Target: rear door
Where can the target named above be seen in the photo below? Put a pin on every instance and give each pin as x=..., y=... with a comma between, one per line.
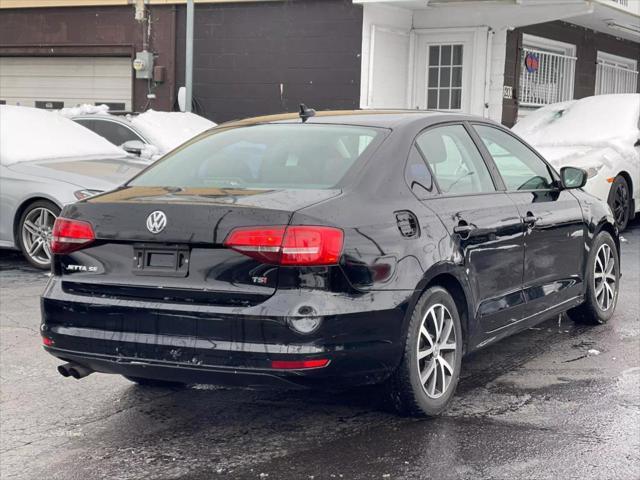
x=484, y=223
x=554, y=238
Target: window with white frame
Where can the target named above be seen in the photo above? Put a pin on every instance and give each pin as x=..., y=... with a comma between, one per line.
x=444, y=77
x=547, y=71
x=615, y=74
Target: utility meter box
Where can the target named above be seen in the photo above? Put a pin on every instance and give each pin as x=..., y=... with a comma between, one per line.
x=143, y=65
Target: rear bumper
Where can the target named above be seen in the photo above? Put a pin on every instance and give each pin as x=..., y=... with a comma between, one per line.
x=328, y=377
x=223, y=345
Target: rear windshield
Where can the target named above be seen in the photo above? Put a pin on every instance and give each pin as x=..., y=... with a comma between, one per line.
x=263, y=156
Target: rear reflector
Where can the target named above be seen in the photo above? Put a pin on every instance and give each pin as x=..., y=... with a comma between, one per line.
x=47, y=341
x=298, y=364
x=70, y=235
x=297, y=245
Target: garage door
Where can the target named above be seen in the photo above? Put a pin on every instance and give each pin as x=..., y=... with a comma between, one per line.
x=56, y=82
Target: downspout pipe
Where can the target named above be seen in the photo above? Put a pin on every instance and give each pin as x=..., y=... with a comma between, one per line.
x=188, y=70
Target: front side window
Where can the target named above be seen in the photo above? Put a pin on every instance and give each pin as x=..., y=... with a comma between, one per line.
x=520, y=168
x=263, y=156
x=114, y=132
x=455, y=161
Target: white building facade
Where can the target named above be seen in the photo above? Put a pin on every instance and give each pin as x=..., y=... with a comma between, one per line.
x=477, y=56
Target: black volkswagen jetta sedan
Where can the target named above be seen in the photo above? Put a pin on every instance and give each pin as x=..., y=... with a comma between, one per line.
x=340, y=249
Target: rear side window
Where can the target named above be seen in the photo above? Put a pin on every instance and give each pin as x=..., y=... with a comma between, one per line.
x=455, y=160
x=263, y=156
x=418, y=176
x=520, y=168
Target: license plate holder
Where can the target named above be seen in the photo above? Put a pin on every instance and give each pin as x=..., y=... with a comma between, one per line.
x=161, y=261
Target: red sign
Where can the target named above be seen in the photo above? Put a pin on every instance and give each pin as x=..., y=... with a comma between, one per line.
x=531, y=62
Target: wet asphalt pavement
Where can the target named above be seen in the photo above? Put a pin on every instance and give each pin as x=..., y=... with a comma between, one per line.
x=535, y=406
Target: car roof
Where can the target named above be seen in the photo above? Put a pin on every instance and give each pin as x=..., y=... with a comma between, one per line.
x=371, y=118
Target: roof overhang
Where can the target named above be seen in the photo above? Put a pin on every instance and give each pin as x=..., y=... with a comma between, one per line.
x=494, y=13
x=611, y=19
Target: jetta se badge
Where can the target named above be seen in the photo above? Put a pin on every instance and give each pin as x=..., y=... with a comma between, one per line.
x=156, y=221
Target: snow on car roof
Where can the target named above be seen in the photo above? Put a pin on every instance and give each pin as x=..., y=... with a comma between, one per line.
x=167, y=130
x=598, y=121
x=28, y=134
x=85, y=109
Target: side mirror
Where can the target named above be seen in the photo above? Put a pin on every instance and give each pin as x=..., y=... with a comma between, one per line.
x=133, y=146
x=573, y=177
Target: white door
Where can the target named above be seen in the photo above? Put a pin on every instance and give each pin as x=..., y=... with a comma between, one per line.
x=388, y=68
x=444, y=70
x=56, y=82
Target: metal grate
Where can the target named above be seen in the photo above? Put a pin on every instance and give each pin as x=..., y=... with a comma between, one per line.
x=624, y=3
x=545, y=77
x=615, y=79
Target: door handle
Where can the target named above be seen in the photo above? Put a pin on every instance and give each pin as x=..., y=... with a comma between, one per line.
x=530, y=219
x=464, y=230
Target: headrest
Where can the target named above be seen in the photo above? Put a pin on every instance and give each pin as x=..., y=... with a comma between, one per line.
x=433, y=147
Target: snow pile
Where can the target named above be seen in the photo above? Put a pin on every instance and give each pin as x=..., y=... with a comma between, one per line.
x=32, y=134
x=167, y=130
x=85, y=109
x=602, y=121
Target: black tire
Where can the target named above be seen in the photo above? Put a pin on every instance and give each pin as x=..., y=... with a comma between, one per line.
x=620, y=202
x=406, y=389
x=21, y=241
x=150, y=382
x=591, y=312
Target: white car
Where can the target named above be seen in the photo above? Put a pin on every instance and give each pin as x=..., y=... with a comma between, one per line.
x=46, y=162
x=599, y=134
x=150, y=134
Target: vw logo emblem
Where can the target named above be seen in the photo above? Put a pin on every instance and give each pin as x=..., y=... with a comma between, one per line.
x=156, y=221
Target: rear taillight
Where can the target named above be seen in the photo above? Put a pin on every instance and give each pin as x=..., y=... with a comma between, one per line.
x=71, y=235
x=298, y=364
x=299, y=245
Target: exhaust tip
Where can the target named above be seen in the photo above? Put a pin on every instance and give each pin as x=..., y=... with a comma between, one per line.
x=74, y=370
x=79, y=371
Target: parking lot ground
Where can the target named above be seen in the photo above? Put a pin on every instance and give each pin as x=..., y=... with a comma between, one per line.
x=557, y=401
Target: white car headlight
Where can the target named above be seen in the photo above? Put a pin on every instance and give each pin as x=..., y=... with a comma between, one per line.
x=82, y=194
x=593, y=171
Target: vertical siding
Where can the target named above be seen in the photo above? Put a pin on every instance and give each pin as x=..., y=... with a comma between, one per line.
x=260, y=58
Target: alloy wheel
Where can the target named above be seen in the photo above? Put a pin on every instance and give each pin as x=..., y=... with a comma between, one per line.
x=37, y=230
x=604, y=278
x=436, y=351
x=621, y=203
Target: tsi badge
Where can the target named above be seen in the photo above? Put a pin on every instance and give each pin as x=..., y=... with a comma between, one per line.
x=156, y=221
